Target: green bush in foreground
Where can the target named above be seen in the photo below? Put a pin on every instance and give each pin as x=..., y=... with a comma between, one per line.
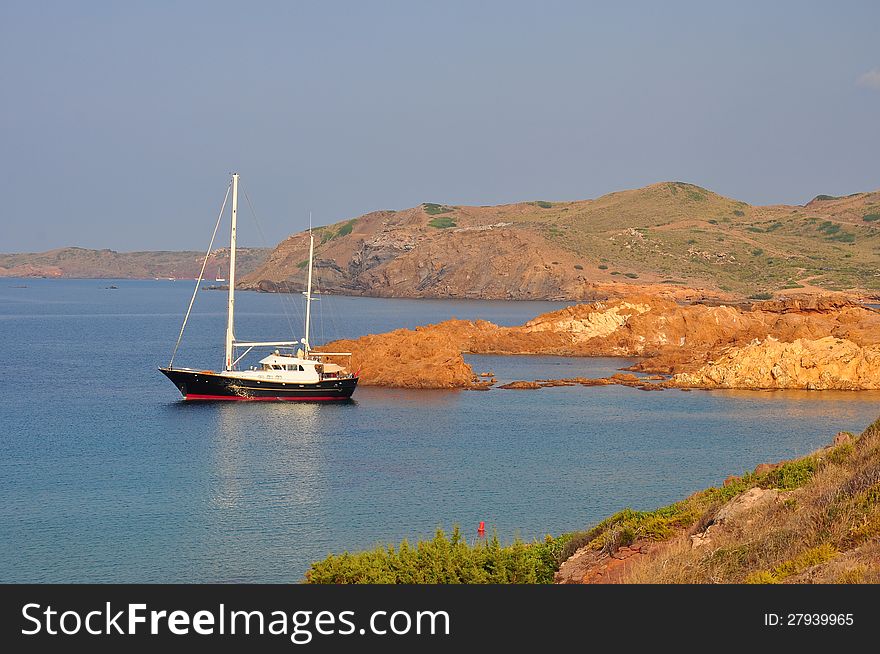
x=444, y=560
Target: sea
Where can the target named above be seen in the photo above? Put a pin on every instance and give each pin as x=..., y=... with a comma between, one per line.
x=106, y=475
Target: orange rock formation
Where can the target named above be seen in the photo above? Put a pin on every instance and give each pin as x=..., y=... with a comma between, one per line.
x=807, y=342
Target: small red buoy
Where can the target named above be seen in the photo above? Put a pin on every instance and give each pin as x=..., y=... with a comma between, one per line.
x=481, y=530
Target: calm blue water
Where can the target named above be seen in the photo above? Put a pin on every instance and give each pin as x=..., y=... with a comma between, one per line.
x=105, y=475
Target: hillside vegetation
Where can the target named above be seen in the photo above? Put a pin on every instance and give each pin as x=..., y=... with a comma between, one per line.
x=670, y=234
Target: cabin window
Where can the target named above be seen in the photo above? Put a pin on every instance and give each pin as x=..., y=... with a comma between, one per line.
x=276, y=368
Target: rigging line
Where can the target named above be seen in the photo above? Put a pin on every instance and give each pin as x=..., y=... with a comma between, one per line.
x=330, y=314
x=282, y=296
x=263, y=239
x=199, y=280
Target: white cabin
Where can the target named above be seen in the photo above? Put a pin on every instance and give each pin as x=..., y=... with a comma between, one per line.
x=292, y=368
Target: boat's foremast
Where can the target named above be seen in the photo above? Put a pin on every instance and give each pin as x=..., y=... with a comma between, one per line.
x=306, y=344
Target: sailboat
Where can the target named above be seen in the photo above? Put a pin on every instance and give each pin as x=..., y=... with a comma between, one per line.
x=293, y=371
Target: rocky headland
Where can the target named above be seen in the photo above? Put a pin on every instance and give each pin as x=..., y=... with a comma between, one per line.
x=809, y=342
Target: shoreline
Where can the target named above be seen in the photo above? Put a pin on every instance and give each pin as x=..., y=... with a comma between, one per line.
x=811, y=519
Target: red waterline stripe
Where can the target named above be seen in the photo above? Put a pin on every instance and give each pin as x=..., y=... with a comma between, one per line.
x=263, y=399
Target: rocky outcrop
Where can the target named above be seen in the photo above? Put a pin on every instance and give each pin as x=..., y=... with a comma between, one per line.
x=420, y=358
x=827, y=363
x=642, y=383
x=735, y=514
x=810, y=344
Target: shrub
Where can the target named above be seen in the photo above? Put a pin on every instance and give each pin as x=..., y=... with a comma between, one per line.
x=543, y=204
x=792, y=474
x=345, y=230
x=737, y=212
x=826, y=197
x=602, y=266
x=445, y=560
x=578, y=266
x=871, y=217
x=433, y=209
x=444, y=222
x=757, y=252
x=616, y=272
x=631, y=275
x=762, y=577
x=761, y=296
x=302, y=264
x=807, y=559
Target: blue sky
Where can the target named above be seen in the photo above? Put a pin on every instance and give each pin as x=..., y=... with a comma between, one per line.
x=120, y=121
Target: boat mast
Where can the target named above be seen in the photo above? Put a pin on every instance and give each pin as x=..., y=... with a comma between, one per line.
x=230, y=309
x=309, y=289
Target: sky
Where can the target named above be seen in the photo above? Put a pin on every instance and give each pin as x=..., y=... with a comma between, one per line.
x=121, y=121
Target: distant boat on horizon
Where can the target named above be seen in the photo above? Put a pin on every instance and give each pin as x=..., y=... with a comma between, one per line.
x=298, y=374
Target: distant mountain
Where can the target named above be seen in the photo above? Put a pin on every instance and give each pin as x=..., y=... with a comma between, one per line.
x=670, y=234
x=83, y=263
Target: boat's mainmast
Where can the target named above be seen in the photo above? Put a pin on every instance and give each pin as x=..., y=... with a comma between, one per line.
x=309, y=292
x=230, y=309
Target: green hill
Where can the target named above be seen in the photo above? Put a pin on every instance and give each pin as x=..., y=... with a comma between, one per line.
x=669, y=233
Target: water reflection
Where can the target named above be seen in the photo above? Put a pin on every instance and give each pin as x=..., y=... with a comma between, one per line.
x=273, y=450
